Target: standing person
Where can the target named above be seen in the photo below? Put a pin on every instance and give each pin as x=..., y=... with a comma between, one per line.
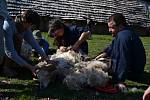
x=13, y=35
x=3, y=15
x=126, y=51
x=70, y=36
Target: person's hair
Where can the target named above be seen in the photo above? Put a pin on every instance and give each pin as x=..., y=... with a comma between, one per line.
x=56, y=24
x=118, y=19
x=31, y=16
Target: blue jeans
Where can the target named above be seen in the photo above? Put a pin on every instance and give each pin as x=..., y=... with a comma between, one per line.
x=1, y=39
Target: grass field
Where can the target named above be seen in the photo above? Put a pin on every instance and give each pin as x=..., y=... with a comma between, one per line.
x=24, y=88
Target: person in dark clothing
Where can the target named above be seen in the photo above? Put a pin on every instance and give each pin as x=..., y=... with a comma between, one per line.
x=73, y=36
x=126, y=51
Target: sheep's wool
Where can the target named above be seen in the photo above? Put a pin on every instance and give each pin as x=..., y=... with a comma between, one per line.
x=70, y=56
x=91, y=73
x=77, y=74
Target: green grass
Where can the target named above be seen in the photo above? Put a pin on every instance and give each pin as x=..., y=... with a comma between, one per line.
x=27, y=89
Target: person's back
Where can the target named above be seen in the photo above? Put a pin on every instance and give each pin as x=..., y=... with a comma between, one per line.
x=128, y=44
x=138, y=56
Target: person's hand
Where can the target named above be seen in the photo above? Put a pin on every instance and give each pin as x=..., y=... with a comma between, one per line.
x=102, y=55
x=62, y=49
x=146, y=95
x=31, y=68
x=43, y=58
x=122, y=87
x=53, y=62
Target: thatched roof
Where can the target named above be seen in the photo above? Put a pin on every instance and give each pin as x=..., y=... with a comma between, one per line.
x=98, y=10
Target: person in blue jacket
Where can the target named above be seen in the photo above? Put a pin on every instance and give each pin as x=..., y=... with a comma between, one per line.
x=73, y=36
x=126, y=51
x=13, y=35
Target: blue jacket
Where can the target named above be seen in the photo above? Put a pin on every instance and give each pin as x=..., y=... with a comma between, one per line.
x=3, y=13
x=127, y=54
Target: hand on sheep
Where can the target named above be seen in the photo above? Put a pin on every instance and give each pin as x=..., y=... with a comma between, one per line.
x=122, y=87
x=65, y=49
x=69, y=48
x=55, y=63
x=44, y=58
x=62, y=49
x=34, y=71
x=146, y=95
x=102, y=55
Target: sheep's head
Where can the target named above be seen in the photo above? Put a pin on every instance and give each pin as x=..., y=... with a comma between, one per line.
x=44, y=72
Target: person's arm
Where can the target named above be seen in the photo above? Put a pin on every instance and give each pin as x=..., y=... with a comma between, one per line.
x=106, y=52
x=84, y=36
x=28, y=36
x=146, y=95
x=45, y=45
x=9, y=45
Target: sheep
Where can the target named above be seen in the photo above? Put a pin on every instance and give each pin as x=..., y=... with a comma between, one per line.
x=45, y=71
x=70, y=56
x=63, y=62
x=75, y=81
x=75, y=73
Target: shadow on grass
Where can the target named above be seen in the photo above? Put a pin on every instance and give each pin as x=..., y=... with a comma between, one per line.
x=144, y=79
x=59, y=91
x=22, y=84
x=16, y=90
